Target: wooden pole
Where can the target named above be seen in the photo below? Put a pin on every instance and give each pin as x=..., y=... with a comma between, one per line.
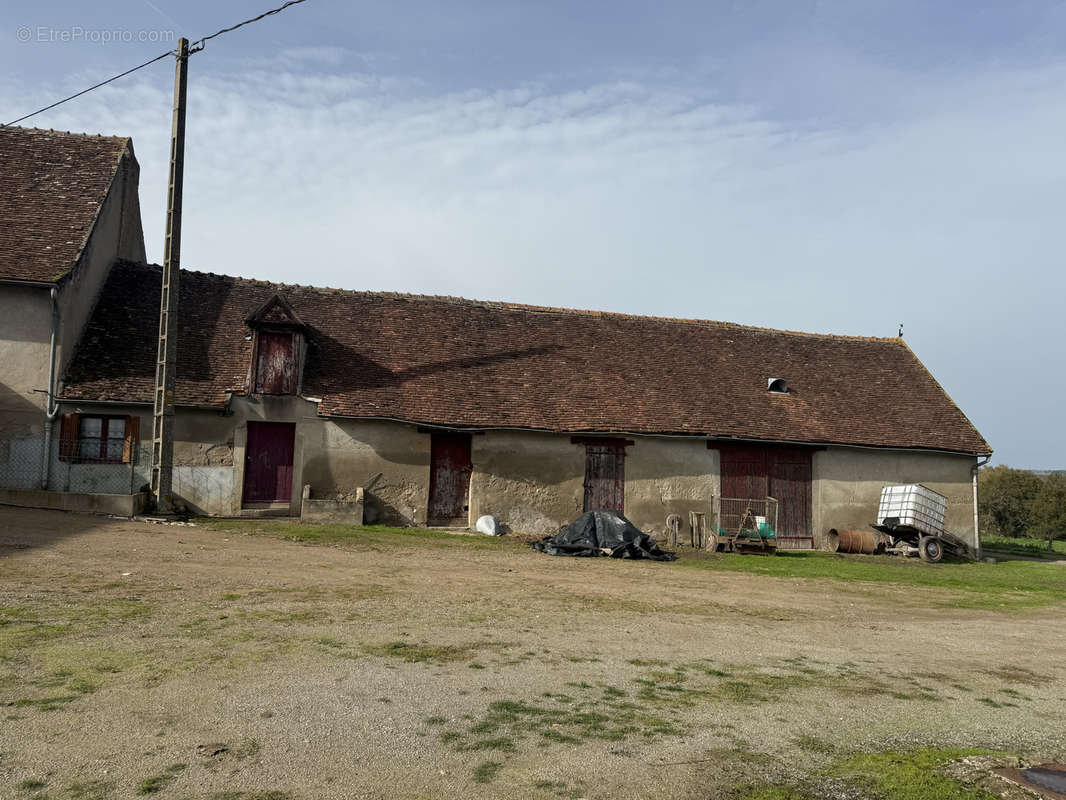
x=163, y=414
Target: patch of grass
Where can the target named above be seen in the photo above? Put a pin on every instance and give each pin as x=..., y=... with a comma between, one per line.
x=30, y=784
x=992, y=703
x=1004, y=586
x=485, y=772
x=157, y=783
x=430, y=653
x=913, y=775
x=370, y=537
x=90, y=790
x=1024, y=547
x=773, y=793
x=812, y=744
x=475, y=665
x=53, y=703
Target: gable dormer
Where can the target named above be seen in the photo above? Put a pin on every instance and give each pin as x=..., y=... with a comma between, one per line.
x=278, y=348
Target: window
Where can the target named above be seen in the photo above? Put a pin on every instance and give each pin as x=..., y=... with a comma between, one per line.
x=276, y=363
x=777, y=386
x=101, y=439
x=98, y=439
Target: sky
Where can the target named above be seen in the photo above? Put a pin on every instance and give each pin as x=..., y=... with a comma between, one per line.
x=836, y=167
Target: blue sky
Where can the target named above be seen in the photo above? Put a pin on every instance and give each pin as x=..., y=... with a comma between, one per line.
x=825, y=166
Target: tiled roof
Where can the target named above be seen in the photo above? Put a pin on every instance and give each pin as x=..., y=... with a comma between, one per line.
x=52, y=184
x=448, y=361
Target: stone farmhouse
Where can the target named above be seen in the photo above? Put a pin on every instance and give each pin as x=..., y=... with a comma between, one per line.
x=436, y=410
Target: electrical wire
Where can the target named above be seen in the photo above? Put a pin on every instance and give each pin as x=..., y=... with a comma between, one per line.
x=196, y=47
x=86, y=91
x=199, y=43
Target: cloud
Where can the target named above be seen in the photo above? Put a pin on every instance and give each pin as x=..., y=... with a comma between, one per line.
x=939, y=208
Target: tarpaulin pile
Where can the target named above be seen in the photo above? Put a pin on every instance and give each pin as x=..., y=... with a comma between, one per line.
x=602, y=533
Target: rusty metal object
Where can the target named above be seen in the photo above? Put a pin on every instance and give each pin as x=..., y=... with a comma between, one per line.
x=864, y=542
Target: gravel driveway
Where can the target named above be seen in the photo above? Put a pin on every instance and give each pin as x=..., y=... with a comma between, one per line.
x=143, y=659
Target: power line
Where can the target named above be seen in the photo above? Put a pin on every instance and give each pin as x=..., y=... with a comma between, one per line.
x=196, y=47
x=85, y=91
x=199, y=43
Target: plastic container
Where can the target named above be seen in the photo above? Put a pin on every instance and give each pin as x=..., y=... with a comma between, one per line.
x=915, y=505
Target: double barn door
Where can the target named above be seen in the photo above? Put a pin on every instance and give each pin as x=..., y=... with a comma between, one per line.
x=784, y=473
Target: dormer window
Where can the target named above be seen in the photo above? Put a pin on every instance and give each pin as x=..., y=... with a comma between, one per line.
x=275, y=369
x=277, y=349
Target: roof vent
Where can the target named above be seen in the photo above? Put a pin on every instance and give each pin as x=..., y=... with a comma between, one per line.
x=777, y=385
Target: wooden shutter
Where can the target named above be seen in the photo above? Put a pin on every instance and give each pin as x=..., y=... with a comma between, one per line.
x=133, y=437
x=68, y=437
x=276, y=367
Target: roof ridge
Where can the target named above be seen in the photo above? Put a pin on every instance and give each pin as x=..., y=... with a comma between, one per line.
x=23, y=129
x=504, y=305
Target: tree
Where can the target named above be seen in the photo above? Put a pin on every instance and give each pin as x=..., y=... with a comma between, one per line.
x=1048, y=510
x=1005, y=500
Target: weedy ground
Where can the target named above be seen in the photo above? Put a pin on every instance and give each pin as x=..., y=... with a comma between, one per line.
x=277, y=661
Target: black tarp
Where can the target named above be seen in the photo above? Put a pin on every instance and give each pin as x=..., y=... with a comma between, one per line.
x=602, y=533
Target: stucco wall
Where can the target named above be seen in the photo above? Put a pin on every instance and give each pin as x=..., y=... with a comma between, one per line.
x=847, y=486
x=531, y=482
x=343, y=455
x=25, y=328
x=669, y=476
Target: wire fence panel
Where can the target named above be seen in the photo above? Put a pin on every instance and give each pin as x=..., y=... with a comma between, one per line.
x=93, y=468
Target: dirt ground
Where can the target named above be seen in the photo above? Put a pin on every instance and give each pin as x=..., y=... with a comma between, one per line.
x=144, y=659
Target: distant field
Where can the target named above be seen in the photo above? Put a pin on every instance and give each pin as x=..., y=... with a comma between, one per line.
x=1029, y=547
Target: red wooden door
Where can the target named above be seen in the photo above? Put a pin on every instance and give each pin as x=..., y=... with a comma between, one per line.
x=790, y=483
x=744, y=472
x=605, y=477
x=784, y=473
x=450, y=466
x=268, y=462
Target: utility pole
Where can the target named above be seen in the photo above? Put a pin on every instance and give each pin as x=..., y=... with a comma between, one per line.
x=163, y=416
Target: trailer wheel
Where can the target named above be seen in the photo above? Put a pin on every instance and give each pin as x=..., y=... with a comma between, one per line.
x=930, y=549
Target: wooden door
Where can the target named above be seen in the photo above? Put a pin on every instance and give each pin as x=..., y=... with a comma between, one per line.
x=276, y=367
x=784, y=473
x=450, y=465
x=605, y=484
x=790, y=483
x=268, y=462
x=744, y=473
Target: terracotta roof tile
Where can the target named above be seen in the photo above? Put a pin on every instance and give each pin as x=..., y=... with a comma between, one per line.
x=52, y=185
x=448, y=361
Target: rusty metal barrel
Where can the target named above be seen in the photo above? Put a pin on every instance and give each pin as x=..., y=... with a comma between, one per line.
x=865, y=542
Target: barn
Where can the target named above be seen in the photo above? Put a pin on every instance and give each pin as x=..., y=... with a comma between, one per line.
x=414, y=410
x=437, y=410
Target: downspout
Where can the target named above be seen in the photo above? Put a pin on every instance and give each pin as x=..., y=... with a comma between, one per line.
x=51, y=409
x=976, y=526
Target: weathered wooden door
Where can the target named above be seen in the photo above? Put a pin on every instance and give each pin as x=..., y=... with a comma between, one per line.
x=276, y=368
x=268, y=462
x=450, y=465
x=605, y=477
x=790, y=483
x=784, y=473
